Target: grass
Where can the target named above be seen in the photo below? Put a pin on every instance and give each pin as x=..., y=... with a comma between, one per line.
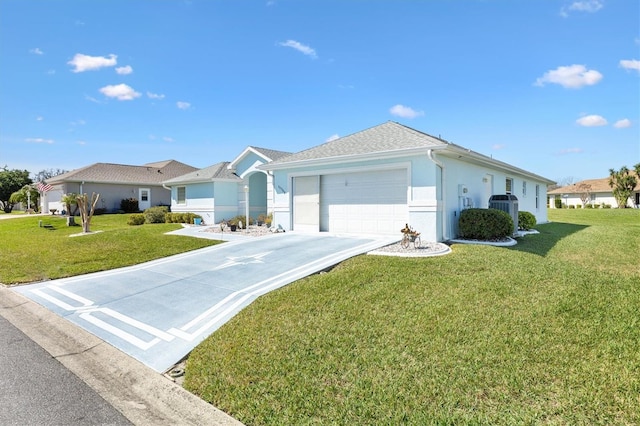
x=30, y=253
x=546, y=332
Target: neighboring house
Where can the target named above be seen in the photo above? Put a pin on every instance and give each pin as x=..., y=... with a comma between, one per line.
x=115, y=182
x=598, y=190
x=376, y=180
x=219, y=192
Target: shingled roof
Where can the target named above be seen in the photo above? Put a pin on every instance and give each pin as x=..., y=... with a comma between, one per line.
x=595, y=185
x=218, y=171
x=386, y=137
x=148, y=174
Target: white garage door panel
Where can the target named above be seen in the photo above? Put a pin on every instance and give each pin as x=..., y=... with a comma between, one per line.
x=368, y=202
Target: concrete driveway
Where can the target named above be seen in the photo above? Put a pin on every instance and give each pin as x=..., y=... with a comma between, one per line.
x=157, y=312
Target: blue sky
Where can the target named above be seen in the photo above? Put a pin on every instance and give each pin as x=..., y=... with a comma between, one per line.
x=549, y=86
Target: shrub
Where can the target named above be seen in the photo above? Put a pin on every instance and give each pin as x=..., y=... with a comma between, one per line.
x=588, y=206
x=99, y=211
x=136, y=219
x=526, y=220
x=485, y=224
x=155, y=214
x=571, y=206
x=240, y=218
x=558, y=203
x=129, y=205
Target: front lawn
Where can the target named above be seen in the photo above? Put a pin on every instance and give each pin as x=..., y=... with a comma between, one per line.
x=31, y=253
x=547, y=331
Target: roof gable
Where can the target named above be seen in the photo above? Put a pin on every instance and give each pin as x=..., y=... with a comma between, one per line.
x=384, y=138
x=219, y=171
x=266, y=155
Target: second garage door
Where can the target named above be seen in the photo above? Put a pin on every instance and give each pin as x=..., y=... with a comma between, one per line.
x=367, y=202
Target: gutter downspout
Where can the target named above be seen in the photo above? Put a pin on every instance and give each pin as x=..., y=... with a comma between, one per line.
x=431, y=156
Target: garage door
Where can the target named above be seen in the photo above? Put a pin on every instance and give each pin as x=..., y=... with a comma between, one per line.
x=367, y=202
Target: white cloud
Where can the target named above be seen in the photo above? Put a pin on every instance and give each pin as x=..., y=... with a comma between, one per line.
x=121, y=92
x=622, y=124
x=571, y=77
x=183, y=105
x=571, y=151
x=155, y=95
x=39, y=118
x=498, y=146
x=300, y=48
x=81, y=143
x=39, y=140
x=124, y=70
x=588, y=6
x=630, y=64
x=51, y=72
x=36, y=51
x=405, y=111
x=592, y=121
x=89, y=63
x=333, y=138
x=168, y=139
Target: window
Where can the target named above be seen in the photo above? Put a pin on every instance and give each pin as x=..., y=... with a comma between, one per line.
x=524, y=188
x=182, y=195
x=508, y=185
x=537, y=197
x=144, y=195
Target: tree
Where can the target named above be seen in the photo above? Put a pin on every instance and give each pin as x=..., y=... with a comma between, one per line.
x=10, y=182
x=87, y=206
x=623, y=184
x=47, y=174
x=26, y=195
x=584, y=189
x=69, y=200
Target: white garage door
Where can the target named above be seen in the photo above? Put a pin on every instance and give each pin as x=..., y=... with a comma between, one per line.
x=368, y=202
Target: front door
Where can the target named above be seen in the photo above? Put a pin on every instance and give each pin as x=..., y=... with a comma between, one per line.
x=306, y=203
x=144, y=198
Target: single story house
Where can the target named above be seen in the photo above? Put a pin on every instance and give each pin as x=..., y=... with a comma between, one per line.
x=115, y=182
x=374, y=182
x=596, y=191
x=221, y=191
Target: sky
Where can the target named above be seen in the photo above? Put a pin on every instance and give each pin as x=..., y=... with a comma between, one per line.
x=550, y=86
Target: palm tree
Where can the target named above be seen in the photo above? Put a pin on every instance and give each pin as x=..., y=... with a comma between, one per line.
x=623, y=184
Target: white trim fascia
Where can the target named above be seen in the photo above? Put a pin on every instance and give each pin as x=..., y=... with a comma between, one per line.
x=232, y=165
x=357, y=169
x=467, y=155
x=329, y=161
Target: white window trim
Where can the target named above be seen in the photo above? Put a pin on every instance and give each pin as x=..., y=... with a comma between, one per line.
x=184, y=189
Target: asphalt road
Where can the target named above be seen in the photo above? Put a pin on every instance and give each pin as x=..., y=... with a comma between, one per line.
x=36, y=389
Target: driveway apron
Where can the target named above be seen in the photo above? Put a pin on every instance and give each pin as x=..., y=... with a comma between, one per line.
x=157, y=312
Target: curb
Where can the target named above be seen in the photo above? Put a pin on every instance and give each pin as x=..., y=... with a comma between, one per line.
x=139, y=393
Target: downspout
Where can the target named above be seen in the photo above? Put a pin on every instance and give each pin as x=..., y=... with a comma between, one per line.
x=431, y=156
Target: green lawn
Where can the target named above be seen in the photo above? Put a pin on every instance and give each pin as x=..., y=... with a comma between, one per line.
x=545, y=332
x=30, y=253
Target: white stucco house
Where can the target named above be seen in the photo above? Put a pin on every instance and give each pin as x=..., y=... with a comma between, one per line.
x=374, y=182
x=220, y=192
x=597, y=192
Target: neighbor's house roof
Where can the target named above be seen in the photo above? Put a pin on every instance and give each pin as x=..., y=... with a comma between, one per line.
x=219, y=171
x=148, y=174
x=596, y=185
x=388, y=140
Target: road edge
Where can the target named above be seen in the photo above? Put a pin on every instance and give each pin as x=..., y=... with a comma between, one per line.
x=138, y=392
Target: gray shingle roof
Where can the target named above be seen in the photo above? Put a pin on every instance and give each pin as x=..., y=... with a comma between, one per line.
x=149, y=174
x=386, y=137
x=272, y=154
x=216, y=171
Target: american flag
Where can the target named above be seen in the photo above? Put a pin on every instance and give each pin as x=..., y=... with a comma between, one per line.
x=44, y=187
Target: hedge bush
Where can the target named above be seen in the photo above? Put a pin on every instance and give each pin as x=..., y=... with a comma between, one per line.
x=155, y=214
x=526, y=220
x=136, y=219
x=129, y=205
x=485, y=224
x=181, y=217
